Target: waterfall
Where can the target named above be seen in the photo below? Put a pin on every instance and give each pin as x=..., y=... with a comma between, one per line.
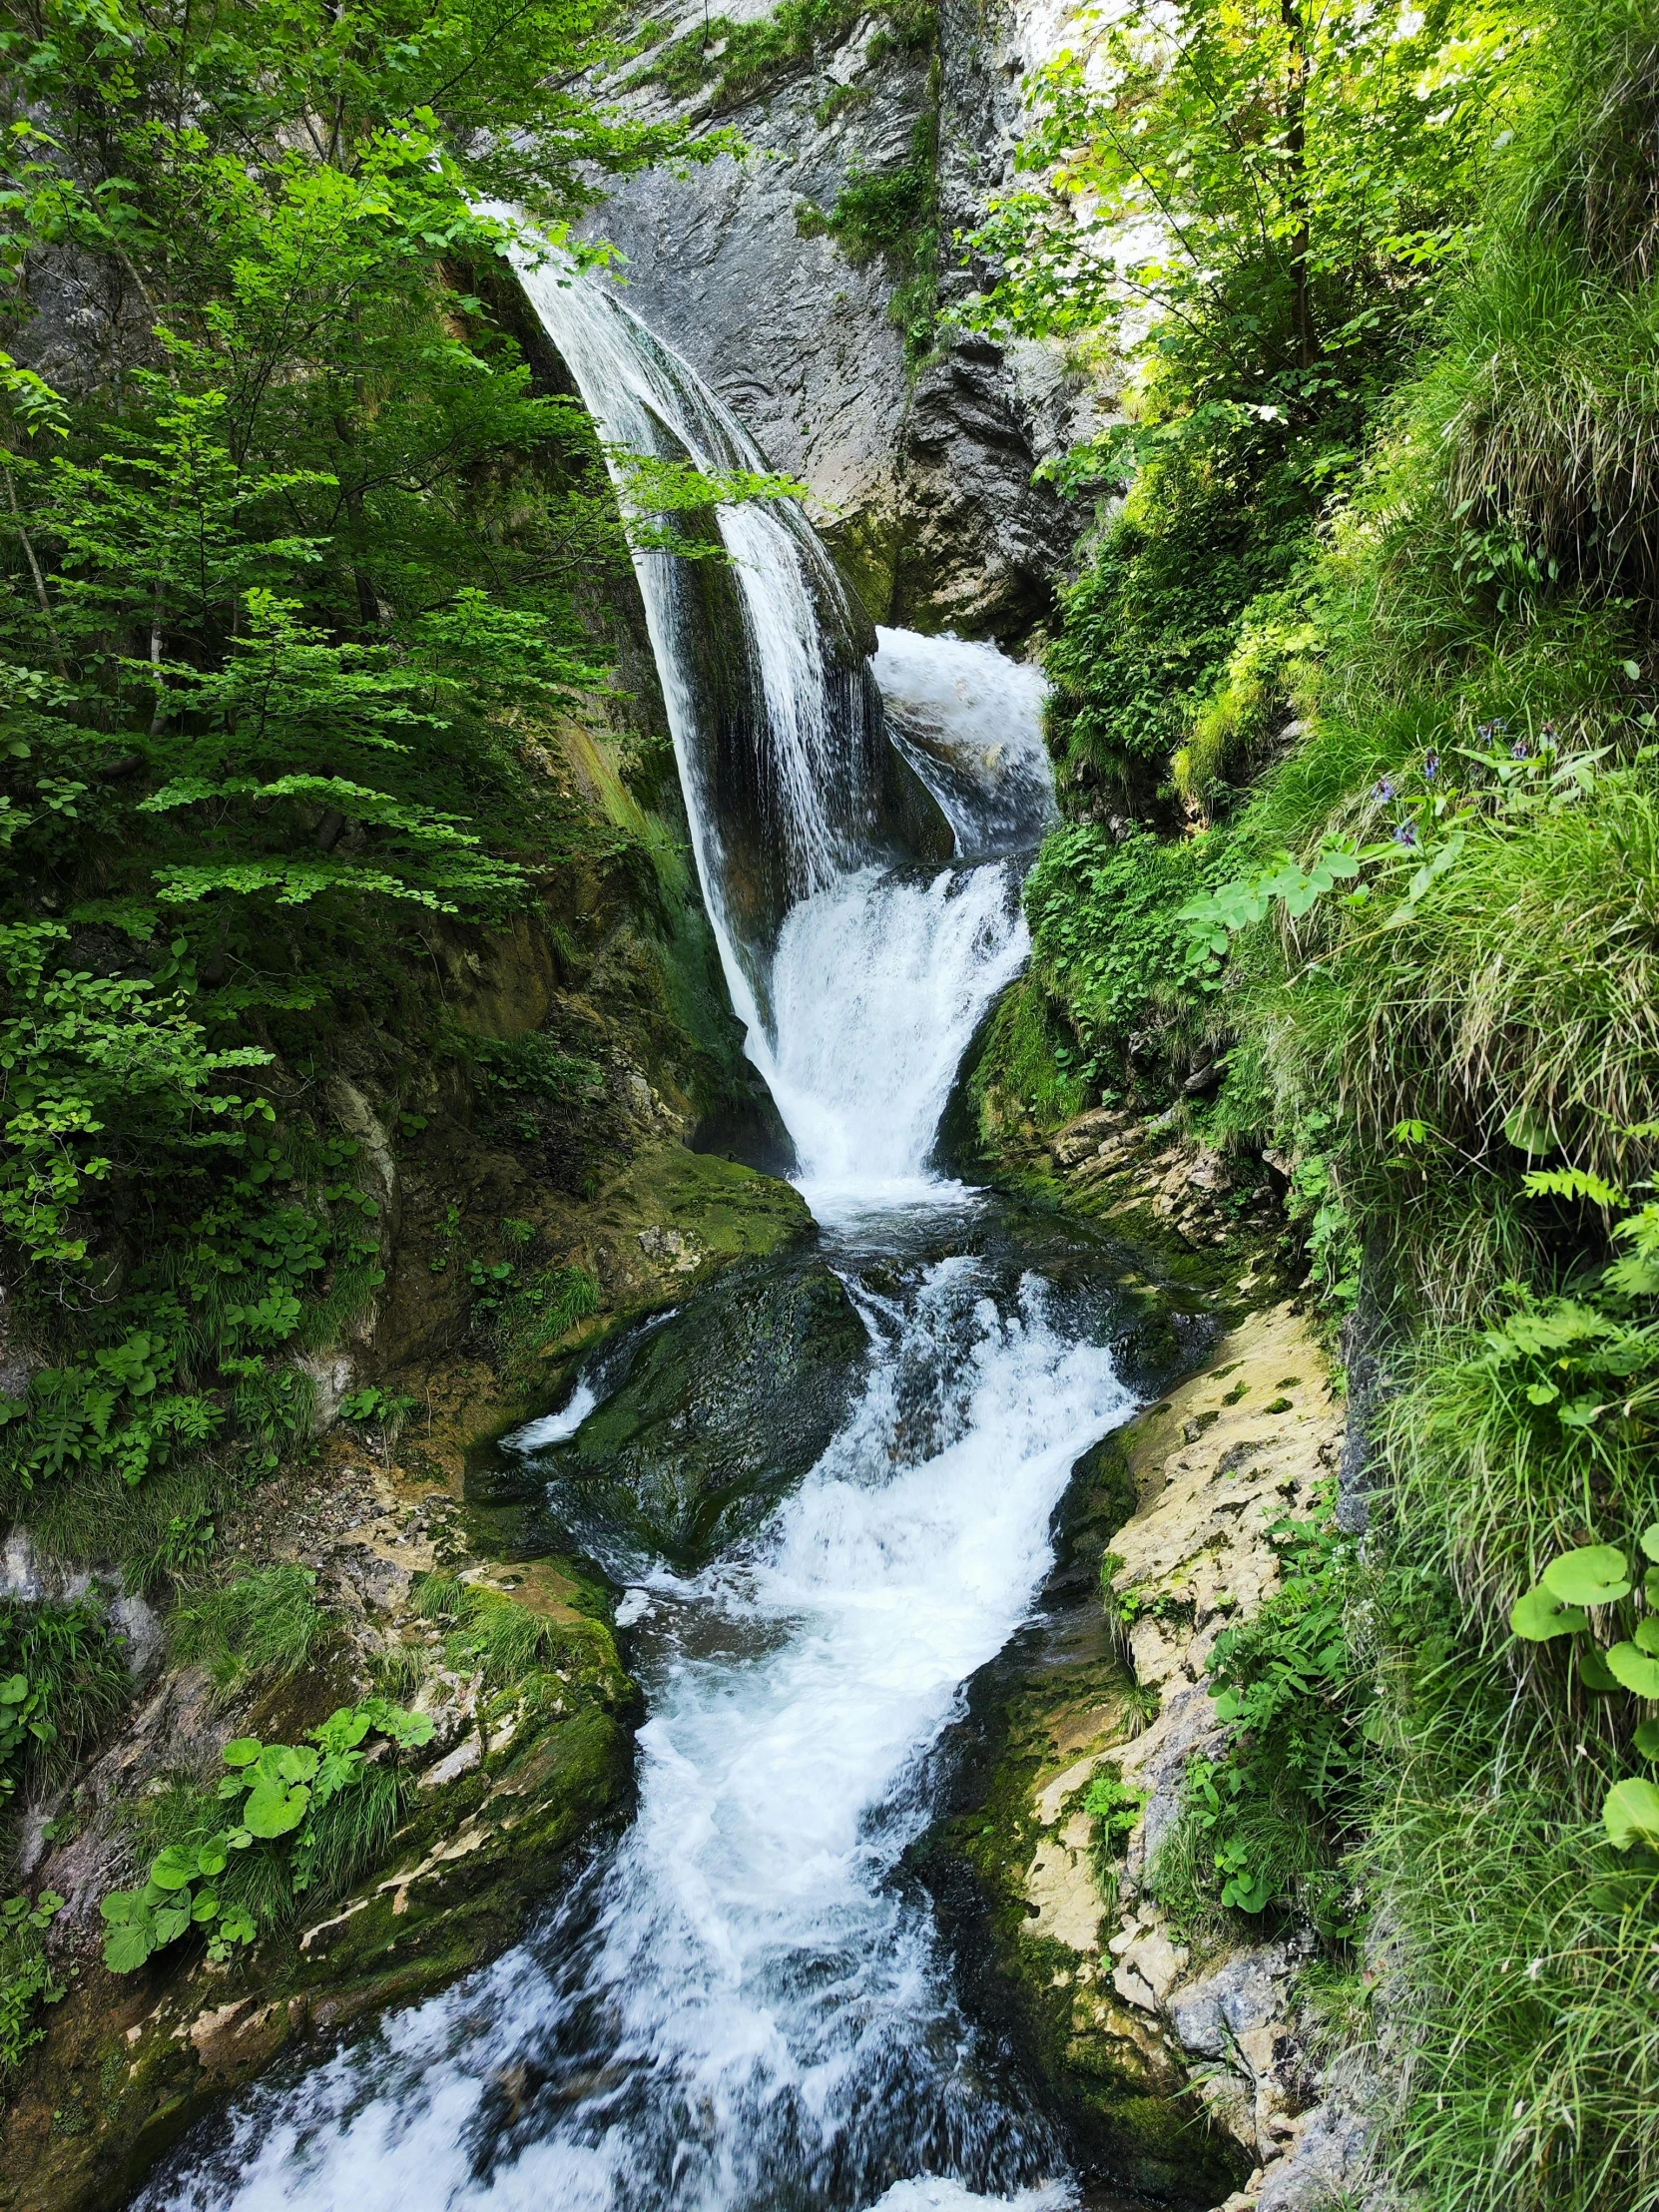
x=860, y=975
x=743, y=2005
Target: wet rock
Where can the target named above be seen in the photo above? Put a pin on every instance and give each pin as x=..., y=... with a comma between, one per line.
x=723, y=1411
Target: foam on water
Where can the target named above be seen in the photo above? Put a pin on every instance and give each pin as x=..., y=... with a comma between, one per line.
x=748, y=2011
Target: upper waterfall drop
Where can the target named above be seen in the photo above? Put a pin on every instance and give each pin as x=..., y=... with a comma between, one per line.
x=816, y=753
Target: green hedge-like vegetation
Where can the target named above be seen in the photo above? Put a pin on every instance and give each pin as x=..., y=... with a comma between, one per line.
x=1356, y=698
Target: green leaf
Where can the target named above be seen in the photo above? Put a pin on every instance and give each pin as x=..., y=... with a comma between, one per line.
x=1649, y=1541
x=1647, y=1739
x=1631, y=1814
x=174, y=1868
x=1573, y=1182
x=127, y=1946
x=1528, y=1131
x=206, y=1907
x=273, y=1809
x=1634, y=1670
x=1540, y=1616
x=213, y=1858
x=298, y=1763
x=1592, y=1574
x=243, y=1751
x=1594, y=1672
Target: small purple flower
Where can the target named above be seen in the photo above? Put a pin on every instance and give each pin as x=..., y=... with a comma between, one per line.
x=1383, y=787
x=1490, y=730
x=1431, y=766
x=1521, y=750
x=1406, y=834
x=1548, y=735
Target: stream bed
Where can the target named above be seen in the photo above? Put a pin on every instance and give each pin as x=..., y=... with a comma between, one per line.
x=743, y=2004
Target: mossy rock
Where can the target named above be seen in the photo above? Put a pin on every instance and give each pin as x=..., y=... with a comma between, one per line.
x=723, y=1411
x=131, y=2061
x=1057, y=1694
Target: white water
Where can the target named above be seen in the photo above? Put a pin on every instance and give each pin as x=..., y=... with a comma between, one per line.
x=743, y=2007
x=752, y=2011
x=861, y=1013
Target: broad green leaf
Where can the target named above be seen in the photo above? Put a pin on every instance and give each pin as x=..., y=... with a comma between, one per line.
x=1529, y=1131
x=1647, y=1739
x=1649, y=1541
x=124, y=1904
x=1631, y=1814
x=206, y=1907
x=174, y=1868
x=127, y=1946
x=297, y=1763
x=1594, y=1672
x=1593, y=1574
x=243, y=1751
x=172, y=1919
x=14, y=1689
x=1634, y=1669
x=1646, y=1633
x=273, y=1809
x=1540, y=1615
x=1543, y=1394
x=213, y=1857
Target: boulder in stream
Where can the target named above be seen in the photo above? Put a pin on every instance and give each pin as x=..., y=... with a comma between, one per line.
x=723, y=1411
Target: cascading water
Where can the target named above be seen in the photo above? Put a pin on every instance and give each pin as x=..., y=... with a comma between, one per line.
x=744, y=2006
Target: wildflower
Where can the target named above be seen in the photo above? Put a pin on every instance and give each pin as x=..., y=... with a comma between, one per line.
x=1490, y=730
x=1383, y=787
x=1521, y=750
x=1430, y=765
x=1548, y=735
x=1406, y=834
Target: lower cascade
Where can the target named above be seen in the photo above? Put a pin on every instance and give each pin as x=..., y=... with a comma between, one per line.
x=744, y=2002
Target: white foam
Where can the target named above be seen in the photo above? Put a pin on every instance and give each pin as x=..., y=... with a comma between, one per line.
x=753, y=1989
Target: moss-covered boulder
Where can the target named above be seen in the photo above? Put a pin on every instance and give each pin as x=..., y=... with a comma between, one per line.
x=491, y=1828
x=723, y=1409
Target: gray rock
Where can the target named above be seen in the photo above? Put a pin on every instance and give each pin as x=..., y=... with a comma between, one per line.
x=1322, y=2168
x=721, y=1411
x=1244, y=1993
x=925, y=483
x=139, y=1622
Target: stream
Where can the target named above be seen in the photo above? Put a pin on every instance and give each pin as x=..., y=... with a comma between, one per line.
x=743, y=2004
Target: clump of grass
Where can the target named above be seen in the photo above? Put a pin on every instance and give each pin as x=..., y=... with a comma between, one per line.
x=77, y=1674
x=1527, y=2001
x=492, y=1634
x=261, y=1628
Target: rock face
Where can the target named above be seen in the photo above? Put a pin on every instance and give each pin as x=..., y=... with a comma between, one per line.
x=923, y=472
x=1185, y=2077
x=722, y=1411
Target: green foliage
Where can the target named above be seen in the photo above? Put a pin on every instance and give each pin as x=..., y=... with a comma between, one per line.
x=26, y=1977
x=1115, y=1808
x=283, y=600
x=1267, y=1825
x=739, y=60
x=321, y=1806
x=261, y=1628
x=1105, y=935
x=1152, y=627
x=893, y=213
x=1028, y=1067
x=490, y=1634
x=63, y=1679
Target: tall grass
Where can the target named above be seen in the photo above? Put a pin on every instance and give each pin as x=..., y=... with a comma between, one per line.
x=261, y=1628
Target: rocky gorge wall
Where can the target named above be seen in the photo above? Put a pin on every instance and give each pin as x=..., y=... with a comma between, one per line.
x=919, y=457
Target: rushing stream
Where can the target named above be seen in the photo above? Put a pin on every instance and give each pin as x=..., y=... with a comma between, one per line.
x=743, y=2004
